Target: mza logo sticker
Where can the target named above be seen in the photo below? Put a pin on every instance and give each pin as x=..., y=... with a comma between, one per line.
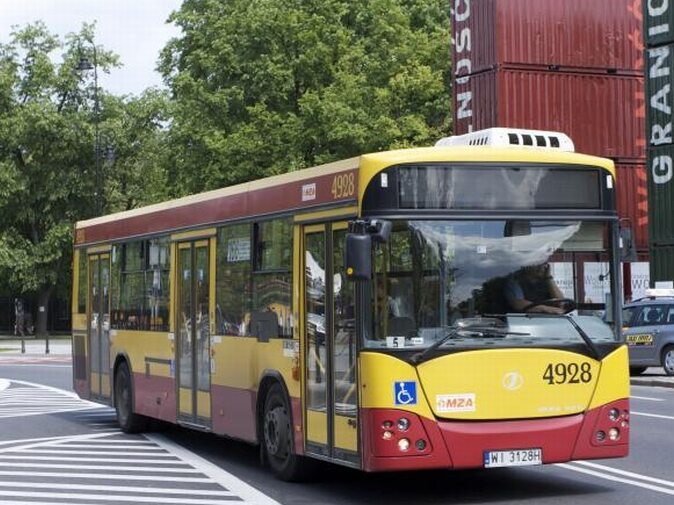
x=405, y=392
x=455, y=403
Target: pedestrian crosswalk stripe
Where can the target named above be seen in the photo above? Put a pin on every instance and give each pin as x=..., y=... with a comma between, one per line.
x=104, y=467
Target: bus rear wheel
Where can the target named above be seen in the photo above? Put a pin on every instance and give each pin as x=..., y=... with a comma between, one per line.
x=277, y=439
x=129, y=421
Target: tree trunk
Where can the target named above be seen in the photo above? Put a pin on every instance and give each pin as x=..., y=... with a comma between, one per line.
x=42, y=312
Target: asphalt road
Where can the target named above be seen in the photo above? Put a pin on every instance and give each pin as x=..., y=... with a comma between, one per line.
x=50, y=441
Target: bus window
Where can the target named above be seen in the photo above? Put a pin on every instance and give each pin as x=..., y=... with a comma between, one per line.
x=272, y=279
x=82, y=284
x=140, y=285
x=233, y=279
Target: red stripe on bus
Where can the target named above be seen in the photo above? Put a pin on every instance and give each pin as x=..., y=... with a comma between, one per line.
x=254, y=203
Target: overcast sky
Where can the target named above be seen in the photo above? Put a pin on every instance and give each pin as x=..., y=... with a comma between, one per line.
x=134, y=29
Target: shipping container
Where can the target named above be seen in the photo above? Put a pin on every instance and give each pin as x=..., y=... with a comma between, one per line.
x=604, y=115
x=659, y=22
x=605, y=35
x=662, y=264
x=660, y=173
x=632, y=201
x=659, y=81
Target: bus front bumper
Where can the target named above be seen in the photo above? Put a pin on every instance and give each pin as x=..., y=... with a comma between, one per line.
x=427, y=443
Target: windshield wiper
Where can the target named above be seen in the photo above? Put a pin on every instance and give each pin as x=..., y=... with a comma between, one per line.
x=586, y=338
x=475, y=331
x=451, y=333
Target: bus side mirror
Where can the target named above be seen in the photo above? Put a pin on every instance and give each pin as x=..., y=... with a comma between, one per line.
x=358, y=257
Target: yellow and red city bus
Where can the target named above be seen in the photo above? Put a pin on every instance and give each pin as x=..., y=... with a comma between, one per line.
x=361, y=312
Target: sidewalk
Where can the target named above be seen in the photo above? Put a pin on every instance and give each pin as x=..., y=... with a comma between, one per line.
x=653, y=377
x=58, y=346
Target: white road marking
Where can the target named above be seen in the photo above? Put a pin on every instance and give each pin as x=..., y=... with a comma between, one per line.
x=29, y=399
x=626, y=473
x=107, y=476
x=62, y=450
x=224, y=478
x=110, y=497
x=645, y=414
x=614, y=478
x=647, y=398
x=116, y=468
x=132, y=489
x=173, y=461
x=162, y=470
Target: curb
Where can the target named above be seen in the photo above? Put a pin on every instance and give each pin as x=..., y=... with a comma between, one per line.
x=656, y=381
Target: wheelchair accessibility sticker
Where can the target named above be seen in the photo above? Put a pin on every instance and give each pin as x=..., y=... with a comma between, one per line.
x=405, y=392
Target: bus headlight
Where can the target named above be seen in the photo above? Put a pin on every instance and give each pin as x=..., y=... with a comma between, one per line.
x=403, y=444
x=403, y=424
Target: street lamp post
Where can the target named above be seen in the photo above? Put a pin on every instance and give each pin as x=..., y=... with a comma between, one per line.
x=85, y=64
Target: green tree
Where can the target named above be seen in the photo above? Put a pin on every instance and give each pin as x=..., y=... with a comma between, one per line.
x=48, y=176
x=269, y=86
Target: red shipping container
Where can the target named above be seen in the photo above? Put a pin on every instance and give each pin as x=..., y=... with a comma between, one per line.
x=567, y=34
x=603, y=115
x=632, y=200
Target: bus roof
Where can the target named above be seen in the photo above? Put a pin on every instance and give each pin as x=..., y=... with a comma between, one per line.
x=300, y=190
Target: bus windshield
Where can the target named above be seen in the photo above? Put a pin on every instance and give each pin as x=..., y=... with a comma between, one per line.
x=516, y=282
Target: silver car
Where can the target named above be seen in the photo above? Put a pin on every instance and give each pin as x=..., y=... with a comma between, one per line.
x=648, y=326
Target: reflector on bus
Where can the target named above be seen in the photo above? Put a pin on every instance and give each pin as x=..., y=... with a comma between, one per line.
x=506, y=137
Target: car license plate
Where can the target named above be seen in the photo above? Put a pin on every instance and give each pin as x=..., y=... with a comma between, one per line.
x=641, y=339
x=514, y=457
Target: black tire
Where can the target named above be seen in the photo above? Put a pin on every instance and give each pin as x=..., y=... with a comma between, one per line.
x=129, y=421
x=277, y=439
x=637, y=370
x=667, y=359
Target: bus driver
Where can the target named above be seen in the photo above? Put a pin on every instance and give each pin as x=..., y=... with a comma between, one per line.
x=529, y=287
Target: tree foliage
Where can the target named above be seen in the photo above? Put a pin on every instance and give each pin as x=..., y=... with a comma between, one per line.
x=268, y=86
x=48, y=117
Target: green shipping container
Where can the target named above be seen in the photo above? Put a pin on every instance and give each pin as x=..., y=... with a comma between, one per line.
x=660, y=172
x=662, y=264
x=659, y=22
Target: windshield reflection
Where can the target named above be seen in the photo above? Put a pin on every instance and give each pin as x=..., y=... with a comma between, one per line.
x=431, y=275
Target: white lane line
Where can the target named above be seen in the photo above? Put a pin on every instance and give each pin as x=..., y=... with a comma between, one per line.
x=43, y=439
x=613, y=478
x=60, y=450
x=647, y=398
x=116, y=468
x=626, y=473
x=44, y=365
x=110, y=497
x=222, y=477
x=147, y=449
x=106, y=476
x=48, y=442
x=173, y=461
x=126, y=489
x=56, y=390
x=645, y=414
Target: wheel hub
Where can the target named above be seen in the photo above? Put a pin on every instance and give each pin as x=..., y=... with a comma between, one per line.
x=275, y=432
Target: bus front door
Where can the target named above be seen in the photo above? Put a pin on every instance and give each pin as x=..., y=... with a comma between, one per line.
x=193, y=329
x=331, y=395
x=98, y=316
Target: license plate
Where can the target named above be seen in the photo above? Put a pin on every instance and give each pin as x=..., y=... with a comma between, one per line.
x=641, y=339
x=514, y=457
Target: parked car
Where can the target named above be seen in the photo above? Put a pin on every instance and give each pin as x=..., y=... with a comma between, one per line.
x=648, y=326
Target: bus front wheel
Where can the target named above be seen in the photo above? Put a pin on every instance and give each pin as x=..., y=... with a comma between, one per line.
x=277, y=439
x=129, y=421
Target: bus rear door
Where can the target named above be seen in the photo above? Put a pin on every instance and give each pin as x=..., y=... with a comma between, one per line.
x=98, y=318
